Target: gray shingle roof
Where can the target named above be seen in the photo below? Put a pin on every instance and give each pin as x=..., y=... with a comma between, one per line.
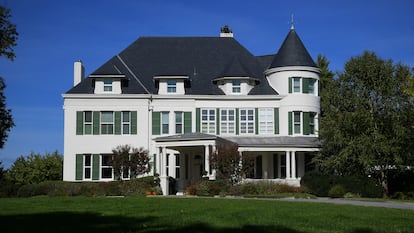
x=203, y=59
x=292, y=53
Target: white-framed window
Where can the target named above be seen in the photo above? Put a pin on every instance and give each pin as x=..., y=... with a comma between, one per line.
x=87, y=122
x=107, y=85
x=87, y=167
x=297, y=122
x=165, y=122
x=208, y=121
x=126, y=122
x=107, y=122
x=106, y=168
x=266, y=121
x=227, y=121
x=246, y=121
x=125, y=174
x=171, y=86
x=312, y=116
x=236, y=88
x=296, y=84
x=311, y=86
x=179, y=123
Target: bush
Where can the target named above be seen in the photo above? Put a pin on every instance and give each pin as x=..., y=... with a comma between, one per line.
x=337, y=191
x=318, y=183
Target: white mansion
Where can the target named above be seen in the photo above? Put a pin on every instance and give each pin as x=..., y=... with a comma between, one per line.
x=179, y=96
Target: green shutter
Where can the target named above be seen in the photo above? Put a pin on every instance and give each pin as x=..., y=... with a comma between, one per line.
x=156, y=123
x=256, y=120
x=305, y=85
x=237, y=121
x=79, y=123
x=306, y=128
x=187, y=122
x=276, y=120
x=79, y=167
x=118, y=123
x=198, y=120
x=217, y=121
x=290, y=123
x=290, y=85
x=133, y=122
x=96, y=122
x=95, y=167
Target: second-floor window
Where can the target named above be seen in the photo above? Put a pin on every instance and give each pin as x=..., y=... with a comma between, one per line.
x=246, y=121
x=266, y=121
x=87, y=122
x=165, y=120
x=227, y=121
x=126, y=122
x=208, y=121
x=107, y=123
x=179, y=124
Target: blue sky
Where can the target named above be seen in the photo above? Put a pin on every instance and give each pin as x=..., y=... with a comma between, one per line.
x=53, y=34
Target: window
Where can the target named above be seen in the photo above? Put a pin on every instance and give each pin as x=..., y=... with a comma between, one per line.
x=171, y=86
x=312, y=122
x=311, y=86
x=227, y=122
x=107, y=123
x=107, y=85
x=179, y=122
x=208, y=121
x=126, y=122
x=177, y=166
x=165, y=122
x=87, y=122
x=236, y=86
x=106, y=168
x=266, y=121
x=87, y=167
x=296, y=85
x=125, y=173
x=296, y=122
x=246, y=121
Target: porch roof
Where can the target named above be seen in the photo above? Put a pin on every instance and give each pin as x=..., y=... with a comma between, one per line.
x=275, y=142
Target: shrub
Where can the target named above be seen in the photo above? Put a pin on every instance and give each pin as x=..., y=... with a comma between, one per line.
x=317, y=183
x=337, y=191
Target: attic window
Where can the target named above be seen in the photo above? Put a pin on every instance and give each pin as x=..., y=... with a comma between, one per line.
x=171, y=86
x=236, y=86
x=107, y=85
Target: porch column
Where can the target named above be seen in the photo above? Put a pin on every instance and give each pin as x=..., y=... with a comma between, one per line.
x=213, y=171
x=172, y=165
x=293, y=157
x=207, y=159
x=287, y=164
x=163, y=172
x=265, y=167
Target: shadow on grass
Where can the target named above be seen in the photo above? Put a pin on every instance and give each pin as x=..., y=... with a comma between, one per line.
x=69, y=222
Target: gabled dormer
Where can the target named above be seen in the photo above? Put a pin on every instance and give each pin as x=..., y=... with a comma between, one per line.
x=108, y=84
x=236, y=79
x=171, y=85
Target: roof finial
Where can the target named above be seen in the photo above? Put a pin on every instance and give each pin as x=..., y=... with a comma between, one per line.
x=292, y=23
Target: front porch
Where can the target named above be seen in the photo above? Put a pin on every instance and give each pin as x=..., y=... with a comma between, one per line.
x=186, y=159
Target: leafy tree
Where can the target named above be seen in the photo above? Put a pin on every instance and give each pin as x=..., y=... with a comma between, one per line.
x=8, y=34
x=367, y=119
x=8, y=38
x=6, y=119
x=36, y=168
x=229, y=165
x=131, y=161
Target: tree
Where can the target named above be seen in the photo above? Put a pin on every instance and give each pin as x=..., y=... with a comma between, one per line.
x=130, y=162
x=366, y=127
x=229, y=165
x=36, y=168
x=8, y=38
x=8, y=34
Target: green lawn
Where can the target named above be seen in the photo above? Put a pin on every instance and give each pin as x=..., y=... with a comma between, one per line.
x=181, y=215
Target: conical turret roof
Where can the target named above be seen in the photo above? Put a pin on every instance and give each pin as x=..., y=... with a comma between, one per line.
x=292, y=53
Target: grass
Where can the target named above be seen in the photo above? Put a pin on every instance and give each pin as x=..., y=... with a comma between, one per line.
x=174, y=215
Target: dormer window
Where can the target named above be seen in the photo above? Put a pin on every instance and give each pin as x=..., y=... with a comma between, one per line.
x=236, y=86
x=107, y=85
x=171, y=86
